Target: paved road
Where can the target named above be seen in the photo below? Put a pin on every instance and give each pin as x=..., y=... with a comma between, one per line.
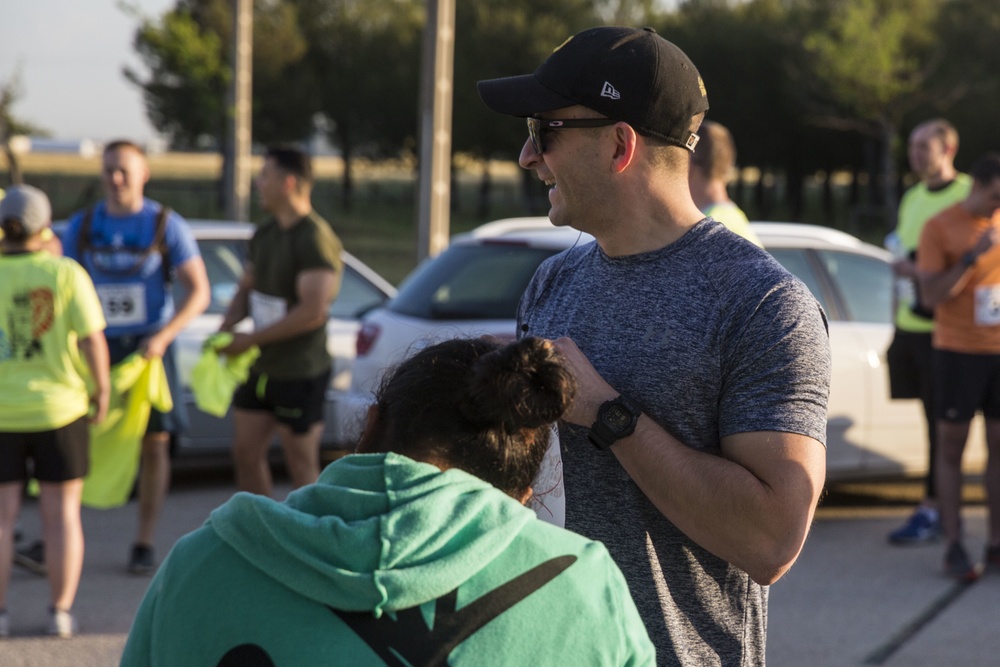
x=850, y=600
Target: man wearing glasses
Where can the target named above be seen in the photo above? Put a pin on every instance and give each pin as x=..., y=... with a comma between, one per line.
x=703, y=366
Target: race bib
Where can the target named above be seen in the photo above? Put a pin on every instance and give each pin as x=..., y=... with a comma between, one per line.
x=123, y=304
x=988, y=305
x=266, y=309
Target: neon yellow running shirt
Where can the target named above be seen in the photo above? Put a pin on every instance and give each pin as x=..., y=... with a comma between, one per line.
x=47, y=303
x=918, y=205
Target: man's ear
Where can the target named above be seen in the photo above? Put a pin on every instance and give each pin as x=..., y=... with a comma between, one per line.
x=367, y=442
x=625, y=144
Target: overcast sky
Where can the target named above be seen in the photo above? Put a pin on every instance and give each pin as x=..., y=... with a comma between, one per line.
x=70, y=55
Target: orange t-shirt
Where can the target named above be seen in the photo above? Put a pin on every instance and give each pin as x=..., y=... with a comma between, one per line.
x=968, y=322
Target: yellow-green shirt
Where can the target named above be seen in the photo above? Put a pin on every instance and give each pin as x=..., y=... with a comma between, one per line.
x=47, y=304
x=918, y=205
x=733, y=218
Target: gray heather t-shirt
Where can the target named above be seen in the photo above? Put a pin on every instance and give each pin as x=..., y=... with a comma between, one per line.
x=711, y=336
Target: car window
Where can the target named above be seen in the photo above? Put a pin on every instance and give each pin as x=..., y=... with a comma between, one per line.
x=470, y=282
x=796, y=260
x=864, y=283
x=224, y=259
x=357, y=296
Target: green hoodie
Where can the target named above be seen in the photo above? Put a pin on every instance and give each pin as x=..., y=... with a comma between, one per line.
x=386, y=561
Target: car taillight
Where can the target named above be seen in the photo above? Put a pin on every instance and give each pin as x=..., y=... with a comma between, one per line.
x=367, y=336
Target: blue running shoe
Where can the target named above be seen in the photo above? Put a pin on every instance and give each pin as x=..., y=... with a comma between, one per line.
x=922, y=527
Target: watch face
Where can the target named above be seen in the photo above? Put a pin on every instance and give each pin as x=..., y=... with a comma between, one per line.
x=617, y=418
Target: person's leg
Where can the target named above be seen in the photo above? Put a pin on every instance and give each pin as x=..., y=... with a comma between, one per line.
x=923, y=362
x=154, y=482
x=253, y=430
x=910, y=357
x=59, y=503
x=299, y=404
x=992, y=480
x=10, y=506
x=951, y=445
x=302, y=454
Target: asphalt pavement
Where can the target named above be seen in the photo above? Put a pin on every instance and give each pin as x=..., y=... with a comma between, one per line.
x=851, y=599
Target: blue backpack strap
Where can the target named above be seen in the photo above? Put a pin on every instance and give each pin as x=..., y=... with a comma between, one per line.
x=159, y=243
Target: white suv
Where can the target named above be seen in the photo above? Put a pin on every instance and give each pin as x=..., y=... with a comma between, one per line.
x=473, y=289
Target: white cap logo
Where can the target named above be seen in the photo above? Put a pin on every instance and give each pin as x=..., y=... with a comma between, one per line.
x=609, y=91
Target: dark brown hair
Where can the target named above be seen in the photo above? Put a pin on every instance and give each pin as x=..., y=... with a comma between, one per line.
x=292, y=160
x=477, y=405
x=13, y=230
x=985, y=168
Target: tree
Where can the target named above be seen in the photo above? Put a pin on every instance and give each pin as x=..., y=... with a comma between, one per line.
x=185, y=92
x=11, y=126
x=363, y=56
x=188, y=53
x=741, y=51
x=496, y=38
x=965, y=88
x=869, y=61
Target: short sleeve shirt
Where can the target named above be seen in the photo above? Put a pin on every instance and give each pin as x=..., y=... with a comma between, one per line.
x=278, y=257
x=130, y=280
x=46, y=304
x=968, y=322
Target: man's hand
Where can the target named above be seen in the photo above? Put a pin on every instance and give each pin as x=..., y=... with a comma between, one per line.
x=591, y=389
x=155, y=346
x=99, y=401
x=986, y=240
x=241, y=343
x=904, y=268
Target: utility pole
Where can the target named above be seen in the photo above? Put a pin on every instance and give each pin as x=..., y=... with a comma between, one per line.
x=436, y=86
x=240, y=135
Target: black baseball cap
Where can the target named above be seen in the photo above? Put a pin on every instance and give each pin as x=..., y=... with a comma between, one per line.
x=627, y=74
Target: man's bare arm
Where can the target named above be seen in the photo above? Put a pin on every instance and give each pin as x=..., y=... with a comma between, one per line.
x=752, y=506
x=316, y=289
x=197, y=294
x=95, y=353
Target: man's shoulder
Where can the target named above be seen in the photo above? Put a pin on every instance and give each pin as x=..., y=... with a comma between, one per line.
x=919, y=194
x=950, y=215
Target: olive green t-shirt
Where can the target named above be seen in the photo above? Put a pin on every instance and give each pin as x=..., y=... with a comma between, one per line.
x=278, y=256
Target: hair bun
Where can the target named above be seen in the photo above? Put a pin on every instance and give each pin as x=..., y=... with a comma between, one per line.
x=521, y=385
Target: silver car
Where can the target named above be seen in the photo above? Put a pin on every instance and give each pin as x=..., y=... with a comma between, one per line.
x=473, y=289
x=223, y=246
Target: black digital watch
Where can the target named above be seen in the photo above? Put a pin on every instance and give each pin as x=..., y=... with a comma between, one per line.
x=616, y=419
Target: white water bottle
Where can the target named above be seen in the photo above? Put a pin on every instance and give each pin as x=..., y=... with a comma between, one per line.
x=905, y=289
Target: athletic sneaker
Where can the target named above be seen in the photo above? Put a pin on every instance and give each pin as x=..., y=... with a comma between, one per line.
x=957, y=564
x=4, y=624
x=923, y=526
x=61, y=623
x=141, y=561
x=32, y=557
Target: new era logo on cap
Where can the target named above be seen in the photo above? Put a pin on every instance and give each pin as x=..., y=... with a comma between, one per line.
x=609, y=91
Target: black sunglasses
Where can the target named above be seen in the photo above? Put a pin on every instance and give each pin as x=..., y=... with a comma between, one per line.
x=537, y=126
